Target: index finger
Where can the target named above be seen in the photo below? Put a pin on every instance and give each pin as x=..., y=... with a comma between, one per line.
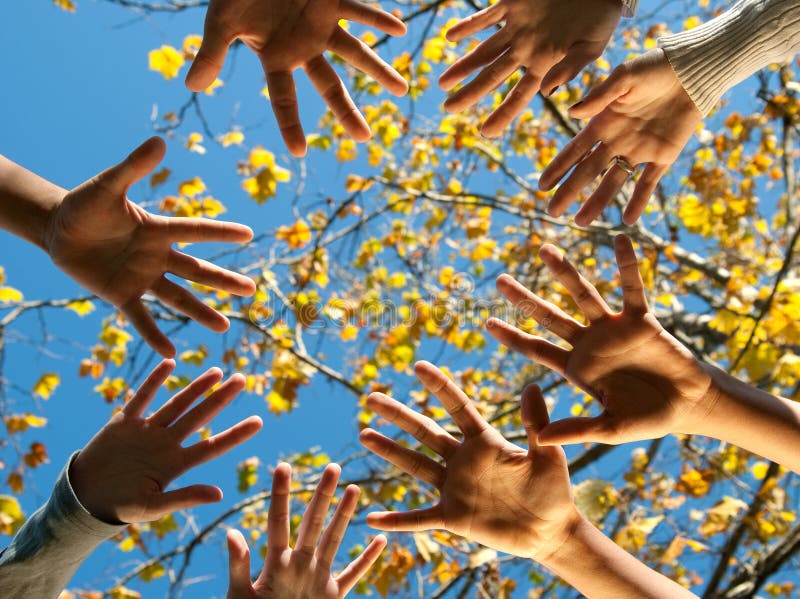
x=454, y=400
x=139, y=402
x=371, y=16
x=193, y=230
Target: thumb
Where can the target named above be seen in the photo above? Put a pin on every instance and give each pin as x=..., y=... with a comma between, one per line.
x=136, y=166
x=239, y=585
x=534, y=414
x=209, y=60
x=617, y=84
x=577, y=430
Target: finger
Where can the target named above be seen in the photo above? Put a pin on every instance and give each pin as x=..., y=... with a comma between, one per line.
x=184, y=301
x=616, y=85
x=278, y=519
x=454, y=400
x=333, y=92
x=210, y=57
x=515, y=102
x=371, y=16
x=488, y=80
x=483, y=19
x=283, y=98
x=584, y=173
x=362, y=57
x=184, y=499
x=577, y=148
x=143, y=322
x=181, y=401
x=546, y=314
x=356, y=569
x=578, y=430
x=334, y=533
x=582, y=291
x=534, y=414
x=211, y=275
x=534, y=348
x=612, y=182
x=139, y=402
x=411, y=462
x=633, y=294
x=238, y=565
x=413, y=520
x=485, y=53
x=136, y=166
x=422, y=428
x=193, y=230
x=206, y=410
x=645, y=186
x=221, y=443
x=568, y=67
x=317, y=510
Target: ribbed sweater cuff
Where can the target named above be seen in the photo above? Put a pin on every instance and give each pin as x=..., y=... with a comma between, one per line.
x=712, y=58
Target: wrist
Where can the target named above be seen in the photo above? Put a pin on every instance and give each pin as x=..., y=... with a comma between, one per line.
x=83, y=487
x=561, y=547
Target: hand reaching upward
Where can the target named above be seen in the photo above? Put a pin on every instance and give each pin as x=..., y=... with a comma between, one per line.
x=551, y=39
x=647, y=382
x=288, y=35
x=305, y=571
x=491, y=491
x=119, y=251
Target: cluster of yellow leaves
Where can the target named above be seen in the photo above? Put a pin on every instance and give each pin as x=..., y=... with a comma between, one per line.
x=263, y=174
x=113, y=347
x=19, y=423
x=8, y=295
x=247, y=473
x=297, y=236
x=46, y=385
x=168, y=60
x=188, y=202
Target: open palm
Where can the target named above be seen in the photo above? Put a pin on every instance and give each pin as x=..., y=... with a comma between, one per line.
x=647, y=382
x=491, y=491
x=119, y=251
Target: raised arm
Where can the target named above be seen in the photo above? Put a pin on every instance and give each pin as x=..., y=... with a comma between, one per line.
x=304, y=572
x=116, y=249
x=120, y=477
x=647, y=382
x=503, y=496
x=649, y=107
x=295, y=34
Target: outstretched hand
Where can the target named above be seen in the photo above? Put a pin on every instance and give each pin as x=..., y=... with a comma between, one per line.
x=641, y=114
x=119, y=251
x=122, y=473
x=290, y=35
x=305, y=571
x=551, y=39
x=491, y=491
x=647, y=382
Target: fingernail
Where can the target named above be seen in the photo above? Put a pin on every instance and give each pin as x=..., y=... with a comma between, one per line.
x=552, y=91
x=574, y=106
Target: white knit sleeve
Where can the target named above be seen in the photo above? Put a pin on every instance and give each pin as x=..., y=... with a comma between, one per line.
x=712, y=58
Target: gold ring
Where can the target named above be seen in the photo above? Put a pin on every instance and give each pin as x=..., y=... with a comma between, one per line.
x=623, y=164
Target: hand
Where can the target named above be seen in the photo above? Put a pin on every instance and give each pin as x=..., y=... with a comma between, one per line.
x=491, y=491
x=122, y=474
x=642, y=114
x=118, y=251
x=647, y=382
x=287, y=35
x=551, y=39
x=305, y=571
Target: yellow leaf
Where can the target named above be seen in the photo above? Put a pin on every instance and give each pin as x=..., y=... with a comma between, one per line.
x=152, y=572
x=349, y=333
x=209, y=91
x=124, y=593
x=46, y=385
x=10, y=295
x=67, y=5
x=194, y=143
x=192, y=187
x=759, y=470
x=231, y=138
x=11, y=515
x=127, y=544
x=166, y=60
x=81, y=307
x=297, y=236
x=159, y=177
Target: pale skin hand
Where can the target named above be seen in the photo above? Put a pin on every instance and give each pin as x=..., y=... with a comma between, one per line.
x=305, y=571
x=647, y=382
x=122, y=474
x=288, y=35
x=551, y=39
x=491, y=491
x=119, y=251
x=642, y=113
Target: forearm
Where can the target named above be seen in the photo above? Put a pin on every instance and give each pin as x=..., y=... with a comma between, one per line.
x=50, y=546
x=752, y=419
x=599, y=568
x=26, y=201
x=712, y=58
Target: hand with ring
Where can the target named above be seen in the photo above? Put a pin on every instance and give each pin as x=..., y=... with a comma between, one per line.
x=641, y=114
